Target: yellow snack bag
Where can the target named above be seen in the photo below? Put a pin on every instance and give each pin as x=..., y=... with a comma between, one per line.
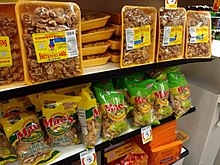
x=27, y=138
x=89, y=117
x=16, y=105
x=6, y=155
x=59, y=117
x=72, y=90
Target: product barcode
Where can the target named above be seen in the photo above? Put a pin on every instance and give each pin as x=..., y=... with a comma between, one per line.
x=166, y=36
x=129, y=35
x=192, y=32
x=193, y=40
x=71, y=41
x=70, y=33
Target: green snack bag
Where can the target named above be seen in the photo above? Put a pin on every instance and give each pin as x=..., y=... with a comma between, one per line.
x=113, y=112
x=106, y=84
x=162, y=108
x=158, y=74
x=141, y=100
x=179, y=93
x=172, y=69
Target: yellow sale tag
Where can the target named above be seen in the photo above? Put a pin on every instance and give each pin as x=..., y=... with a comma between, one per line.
x=146, y=134
x=88, y=157
x=171, y=4
x=199, y=34
x=53, y=46
x=173, y=35
x=5, y=52
x=138, y=37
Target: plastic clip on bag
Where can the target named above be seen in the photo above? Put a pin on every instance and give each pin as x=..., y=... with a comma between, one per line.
x=113, y=112
x=162, y=108
x=179, y=93
x=59, y=117
x=171, y=34
x=27, y=138
x=50, y=35
x=89, y=117
x=6, y=155
x=138, y=35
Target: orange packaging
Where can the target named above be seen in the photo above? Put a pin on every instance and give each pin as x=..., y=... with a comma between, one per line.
x=171, y=38
x=50, y=36
x=138, y=35
x=166, y=154
x=11, y=66
x=129, y=153
x=198, y=34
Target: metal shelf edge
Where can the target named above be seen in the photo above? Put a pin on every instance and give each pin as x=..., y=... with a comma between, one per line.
x=31, y=89
x=137, y=131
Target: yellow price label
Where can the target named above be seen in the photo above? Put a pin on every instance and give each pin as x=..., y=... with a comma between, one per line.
x=5, y=52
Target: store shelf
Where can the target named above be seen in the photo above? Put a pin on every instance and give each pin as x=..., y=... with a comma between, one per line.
x=110, y=70
x=71, y=153
x=217, y=30
x=135, y=131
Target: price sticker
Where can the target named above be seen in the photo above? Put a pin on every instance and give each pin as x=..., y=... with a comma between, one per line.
x=171, y=4
x=146, y=134
x=88, y=157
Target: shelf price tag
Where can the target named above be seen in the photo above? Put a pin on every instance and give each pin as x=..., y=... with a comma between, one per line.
x=88, y=157
x=171, y=4
x=146, y=134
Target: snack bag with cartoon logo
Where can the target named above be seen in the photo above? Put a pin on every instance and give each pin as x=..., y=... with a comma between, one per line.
x=89, y=117
x=179, y=93
x=142, y=101
x=162, y=108
x=113, y=112
x=15, y=106
x=59, y=117
x=6, y=155
x=27, y=139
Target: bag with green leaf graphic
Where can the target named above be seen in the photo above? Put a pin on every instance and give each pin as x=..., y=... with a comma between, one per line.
x=179, y=93
x=162, y=108
x=89, y=117
x=6, y=155
x=59, y=118
x=142, y=101
x=27, y=139
x=113, y=112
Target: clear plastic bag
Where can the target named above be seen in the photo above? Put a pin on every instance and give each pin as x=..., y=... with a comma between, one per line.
x=198, y=43
x=6, y=154
x=59, y=118
x=138, y=35
x=171, y=34
x=27, y=139
x=89, y=117
x=113, y=112
x=50, y=37
x=162, y=107
x=179, y=93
